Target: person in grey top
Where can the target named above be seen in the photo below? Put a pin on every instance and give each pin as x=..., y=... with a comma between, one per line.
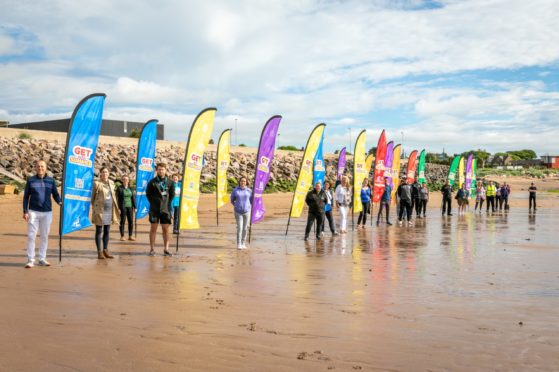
x=241, y=200
x=423, y=199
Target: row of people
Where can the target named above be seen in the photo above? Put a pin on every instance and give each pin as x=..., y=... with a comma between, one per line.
x=118, y=205
x=109, y=205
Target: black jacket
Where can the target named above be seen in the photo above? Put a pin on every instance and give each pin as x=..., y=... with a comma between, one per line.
x=404, y=192
x=447, y=191
x=316, y=201
x=159, y=203
x=120, y=197
x=415, y=187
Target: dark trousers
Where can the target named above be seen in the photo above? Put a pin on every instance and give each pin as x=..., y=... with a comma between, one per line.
x=102, y=230
x=504, y=202
x=421, y=207
x=310, y=220
x=447, y=205
x=498, y=202
x=415, y=205
x=491, y=202
x=363, y=213
x=532, y=201
x=384, y=205
x=480, y=203
x=405, y=205
x=175, y=219
x=330, y=218
x=127, y=213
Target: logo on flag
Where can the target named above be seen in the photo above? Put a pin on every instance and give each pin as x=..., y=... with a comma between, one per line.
x=81, y=156
x=146, y=164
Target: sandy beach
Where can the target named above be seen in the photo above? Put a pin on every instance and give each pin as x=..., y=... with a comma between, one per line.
x=473, y=292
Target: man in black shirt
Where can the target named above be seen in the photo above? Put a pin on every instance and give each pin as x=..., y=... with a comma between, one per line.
x=160, y=192
x=404, y=193
x=315, y=200
x=532, y=196
x=446, y=190
x=415, y=188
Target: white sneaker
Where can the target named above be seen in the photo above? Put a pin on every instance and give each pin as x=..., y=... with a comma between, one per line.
x=239, y=246
x=410, y=223
x=244, y=246
x=29, y=264
x=44, y=263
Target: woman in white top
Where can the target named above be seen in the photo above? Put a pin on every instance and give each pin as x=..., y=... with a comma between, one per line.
x=343, y=202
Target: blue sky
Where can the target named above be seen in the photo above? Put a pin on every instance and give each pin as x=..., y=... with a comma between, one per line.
x=448, y=74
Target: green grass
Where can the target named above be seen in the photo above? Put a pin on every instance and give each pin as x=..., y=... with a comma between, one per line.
x=528, y=172
x=555, y=191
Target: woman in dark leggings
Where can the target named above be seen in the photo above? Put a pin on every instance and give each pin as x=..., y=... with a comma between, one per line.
x=105, y=212
x=328, y=208
x=127, y=206
x=366, y=203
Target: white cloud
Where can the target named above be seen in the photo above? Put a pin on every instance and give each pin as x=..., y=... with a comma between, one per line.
x=311, y=61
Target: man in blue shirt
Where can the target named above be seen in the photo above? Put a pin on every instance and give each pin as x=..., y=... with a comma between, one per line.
x=37, y=212
x=385, y=202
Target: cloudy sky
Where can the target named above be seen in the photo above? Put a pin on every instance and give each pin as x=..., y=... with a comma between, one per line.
x=438, y=74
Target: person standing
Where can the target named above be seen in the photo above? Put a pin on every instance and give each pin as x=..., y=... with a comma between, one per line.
x=160, y=192
x=328, y=208
x=423, y=199
x=480, y=196
x=176, y=202
x=385, y=202
x=462, y=198
x=498, y=200
x=37, y=211
x=491, y=192
x=241, y=200
x=504, y=197
x=315, y=200
x=532, y=196
x=404, y=194
x=105, y=211
x=415, y=203
x=127, y=205
x=446, y=190
x=365, y=202
x=342, y=196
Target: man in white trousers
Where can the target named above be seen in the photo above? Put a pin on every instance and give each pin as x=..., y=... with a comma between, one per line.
x=37, y=212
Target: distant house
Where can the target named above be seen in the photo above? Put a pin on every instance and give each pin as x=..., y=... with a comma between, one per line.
x=527, y=163
x=551, y=161
x=115, y=128
x=500, y=160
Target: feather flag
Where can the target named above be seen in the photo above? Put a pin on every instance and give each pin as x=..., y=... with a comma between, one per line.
x=265, y=158
x=359, y=171
x=198, y=140
x=378, y=185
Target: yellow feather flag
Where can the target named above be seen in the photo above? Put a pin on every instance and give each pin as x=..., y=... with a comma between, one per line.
x=223, y=158
x=359, y=170
x=395, y=172
x=304, y=181
x=197, y=142
x=461, y=177
x=369, y=163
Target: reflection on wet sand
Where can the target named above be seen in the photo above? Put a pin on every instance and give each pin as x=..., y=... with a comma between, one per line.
x=448, y=293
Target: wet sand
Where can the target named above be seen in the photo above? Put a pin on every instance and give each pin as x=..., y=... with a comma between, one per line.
x=474, y=292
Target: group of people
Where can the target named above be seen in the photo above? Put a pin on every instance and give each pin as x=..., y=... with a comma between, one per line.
x=321, y=201
x=117, y=205
x=496, y=196
x=109, y=205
